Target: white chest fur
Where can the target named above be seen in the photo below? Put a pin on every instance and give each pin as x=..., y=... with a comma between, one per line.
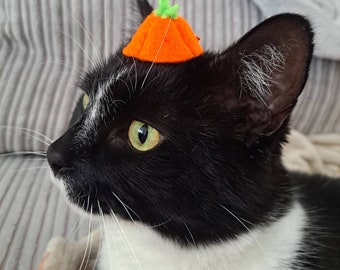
x=128, y=246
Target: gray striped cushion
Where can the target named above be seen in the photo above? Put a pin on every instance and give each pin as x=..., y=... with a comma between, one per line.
x=46, y=45
x=318, y=110
x=32, y=210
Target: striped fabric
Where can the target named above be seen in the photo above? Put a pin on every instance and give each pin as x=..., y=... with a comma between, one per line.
x=32, y=210
x=44, y=47
x=318, y=110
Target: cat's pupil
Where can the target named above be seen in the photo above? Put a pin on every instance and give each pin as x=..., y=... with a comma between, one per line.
x=143, y=133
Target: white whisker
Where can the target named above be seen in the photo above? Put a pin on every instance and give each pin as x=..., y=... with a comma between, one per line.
x=37, y=138
x=105, y=34
x=194, y=242
x=88, y=245
x=75, y=227
x=158, y=51
x=93, y=63
x=105, y=230
x=18, y=153
x=150, y=82
x=97, y=255
x=242, y=223
x=129, y=77
x=126, y=240
x=31, y=168
x=37, y=159
x=126, y=207
x=160, y=224
x=89, y=38
x=136, y=73
x=29, y=130
x=71, y=66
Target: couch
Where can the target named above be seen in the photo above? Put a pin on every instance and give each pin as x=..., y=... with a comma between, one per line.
x=45, y=46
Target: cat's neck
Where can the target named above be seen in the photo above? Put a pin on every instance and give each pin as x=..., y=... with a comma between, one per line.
x=127, y=245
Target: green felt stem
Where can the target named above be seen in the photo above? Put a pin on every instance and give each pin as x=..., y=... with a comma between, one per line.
x=165, y=10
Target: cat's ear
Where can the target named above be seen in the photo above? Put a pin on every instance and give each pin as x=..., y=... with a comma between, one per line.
x=269, y=67
x=144, y=9
x=140, y=9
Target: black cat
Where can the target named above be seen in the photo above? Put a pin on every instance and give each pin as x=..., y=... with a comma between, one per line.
x=184, y=160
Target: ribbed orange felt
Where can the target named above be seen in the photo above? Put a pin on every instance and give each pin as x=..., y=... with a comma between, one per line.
x=164, y=40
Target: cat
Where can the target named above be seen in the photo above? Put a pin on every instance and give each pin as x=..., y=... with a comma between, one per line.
x=182, y=162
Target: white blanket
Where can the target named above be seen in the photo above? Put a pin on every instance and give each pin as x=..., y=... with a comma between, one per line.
x=313, y=154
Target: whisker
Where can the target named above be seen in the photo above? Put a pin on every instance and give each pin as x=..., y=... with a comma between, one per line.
x=97, y=255
x=158, y=51
x=160, y=224
x=37, y=159
x=251, y=234
x=75, y=227
x=121, y=80
x=136, y=73
x=150, y=82
x=127, y=87
x=89, y=38
x=105, y=230
x=105, y=34
x=71, y=66
x=37, y=138
x=126, y=207
x=194, y=242
x=19, y=153
x=88, y=245
x=29, y=130
x=130, y=90
x=93, y=63
x=31, y=168
x=126, y=240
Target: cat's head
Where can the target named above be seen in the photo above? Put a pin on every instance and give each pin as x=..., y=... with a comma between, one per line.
x=191, y=145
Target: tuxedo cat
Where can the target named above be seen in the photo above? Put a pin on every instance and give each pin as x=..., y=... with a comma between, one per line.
x=183, y=161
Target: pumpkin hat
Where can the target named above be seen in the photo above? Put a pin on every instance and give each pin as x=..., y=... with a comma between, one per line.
x=164, y=37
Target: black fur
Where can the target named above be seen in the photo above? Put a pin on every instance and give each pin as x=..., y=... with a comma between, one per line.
x=319, y=195
x=219, y=149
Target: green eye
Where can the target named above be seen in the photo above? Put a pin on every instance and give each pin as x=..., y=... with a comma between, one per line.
x=143, y=137
x=86, y=100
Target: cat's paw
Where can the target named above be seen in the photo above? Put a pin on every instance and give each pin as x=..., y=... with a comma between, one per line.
x=69, y=255
x=55, y=256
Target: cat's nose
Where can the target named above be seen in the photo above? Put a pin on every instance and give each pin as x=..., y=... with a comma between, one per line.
x=59, y=157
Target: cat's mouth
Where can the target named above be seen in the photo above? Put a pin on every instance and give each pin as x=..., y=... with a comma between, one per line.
x=81, y=189
x=83, y=195
x=94, y=199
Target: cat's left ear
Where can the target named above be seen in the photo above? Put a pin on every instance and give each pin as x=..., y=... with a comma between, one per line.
x=268, y=68
x=141, y=9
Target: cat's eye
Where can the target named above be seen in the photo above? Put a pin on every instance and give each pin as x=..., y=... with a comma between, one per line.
x=86, y=100
x=143, y=137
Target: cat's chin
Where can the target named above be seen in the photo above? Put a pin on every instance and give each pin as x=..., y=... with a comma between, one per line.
x=59, y=183
x=80, y=200
x=66, y=191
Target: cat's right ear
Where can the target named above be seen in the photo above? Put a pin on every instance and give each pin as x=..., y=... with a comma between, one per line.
x=140, y=10
x=262, y=75
x=144, y=9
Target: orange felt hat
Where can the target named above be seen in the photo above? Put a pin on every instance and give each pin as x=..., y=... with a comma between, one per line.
x=164, y=37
